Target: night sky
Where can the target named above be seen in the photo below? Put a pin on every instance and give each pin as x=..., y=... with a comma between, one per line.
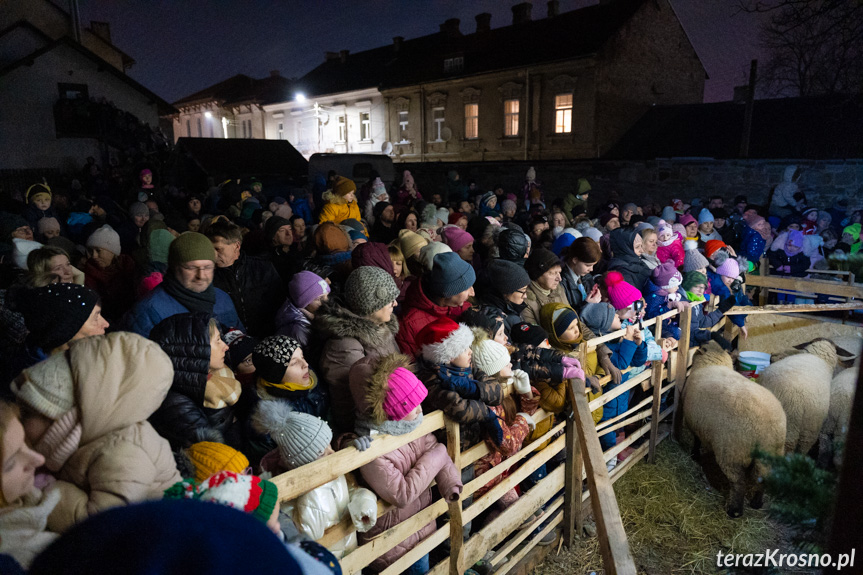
x=183, y=47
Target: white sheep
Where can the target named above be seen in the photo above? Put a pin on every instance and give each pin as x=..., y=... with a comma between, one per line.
x=733, y=417
x=832, y=439
x=801, y=383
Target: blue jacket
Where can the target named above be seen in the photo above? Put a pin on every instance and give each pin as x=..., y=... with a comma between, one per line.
x=701, y=324
x=158, y=305
x=752, y=245
x=720, y=289
x=300, y=207
x=625, y=353
x=655, y=305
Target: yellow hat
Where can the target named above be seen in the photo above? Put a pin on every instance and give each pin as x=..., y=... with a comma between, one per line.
x=209, y=458
x=411, y=243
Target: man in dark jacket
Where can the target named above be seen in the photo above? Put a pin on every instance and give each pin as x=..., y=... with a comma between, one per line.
x=253, y=284
x=512, y=246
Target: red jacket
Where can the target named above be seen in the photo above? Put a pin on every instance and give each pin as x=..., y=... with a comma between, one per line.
x=419, y=312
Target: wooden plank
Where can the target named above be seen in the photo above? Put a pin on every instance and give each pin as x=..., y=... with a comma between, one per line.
x=481, y=449
x=631, y=410
x=346, y=526
x=764, y=270
x=572, y=480
x=656, y=381
x=614, y=426
x=794, y=308
x=683, y=363
x=513, y=561
x=523, y=534
x=456, y=526
x=296, y=482
x=414, y=555
x=619, y=390
x=825, y=287
x=630, y=439
x=597, y=341
x=616, y=558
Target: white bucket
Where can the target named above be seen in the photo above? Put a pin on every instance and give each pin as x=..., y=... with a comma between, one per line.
x=752, y=363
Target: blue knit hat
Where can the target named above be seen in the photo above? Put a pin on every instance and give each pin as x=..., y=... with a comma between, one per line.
x=450, y=275
x=704, y=216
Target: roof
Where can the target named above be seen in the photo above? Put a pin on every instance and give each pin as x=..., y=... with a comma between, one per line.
x=128, y=61
x=819, y=127
x=242, y=88
x=569, y=35
x=163, y=106
x=240, y=157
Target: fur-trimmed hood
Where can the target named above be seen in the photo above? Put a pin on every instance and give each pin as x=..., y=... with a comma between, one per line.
x=331, y=198
x=377, y=384
x=335, y=321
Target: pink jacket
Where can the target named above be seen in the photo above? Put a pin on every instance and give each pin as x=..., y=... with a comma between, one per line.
x=673, y=252
x=403, y=478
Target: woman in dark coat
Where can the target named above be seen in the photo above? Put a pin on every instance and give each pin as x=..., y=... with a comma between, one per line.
x=626, y=247
x=204, y=396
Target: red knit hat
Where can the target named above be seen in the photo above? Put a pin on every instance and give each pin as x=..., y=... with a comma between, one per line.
x=455, y=217
x=443, y=340
x=621, y=294
x=246, y=493
x=712, y=246
x=405, y=393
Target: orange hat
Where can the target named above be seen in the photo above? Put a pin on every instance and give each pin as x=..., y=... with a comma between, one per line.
x=712, y=246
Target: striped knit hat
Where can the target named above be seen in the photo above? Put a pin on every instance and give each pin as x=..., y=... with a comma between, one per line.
x=246, y=493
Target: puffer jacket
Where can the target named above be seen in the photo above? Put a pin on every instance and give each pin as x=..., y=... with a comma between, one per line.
x=292, y=322
x=420, y=311
x=512, y=245
x=256, y=290
x=535, y=299
x=159, y=304
x=182, y=418
x=539, y=363
x=403, y=478
x=120, y=379
x=336, y=210
x=494, y=303
x=655, y=304
x=348, y=338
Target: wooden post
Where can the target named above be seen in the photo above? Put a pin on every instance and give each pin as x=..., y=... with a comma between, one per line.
x=613, y=544
x=747, y=112
x=765, y=271
x=573, y=510
x=456, y=526
x=682, y=365
x=656, y=380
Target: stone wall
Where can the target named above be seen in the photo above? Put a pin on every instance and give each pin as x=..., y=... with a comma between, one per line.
x=823, y=181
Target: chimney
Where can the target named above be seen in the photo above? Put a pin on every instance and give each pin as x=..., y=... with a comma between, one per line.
x=102, y=30
x=397, y=43
x=450, y=27
x=343, y=55
x=330, y=56
x=553, y=8
x=521, y=13
x=274, y=74
x=483, y=22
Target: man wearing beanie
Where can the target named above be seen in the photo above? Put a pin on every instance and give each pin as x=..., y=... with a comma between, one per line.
x=187, y=287
x=281, y=251
x=252, y=283
x=443, y=292
x=366, y=325
x=341, y=202
x=110, y=273
x=545, y=271
x=383, y=230
x=307, y=291
x=504, y=290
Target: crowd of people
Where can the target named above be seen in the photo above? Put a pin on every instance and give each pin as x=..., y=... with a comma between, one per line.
x=158, y=344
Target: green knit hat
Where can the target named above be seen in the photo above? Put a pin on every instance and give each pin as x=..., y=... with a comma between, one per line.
x=247, y=493
x=190, y=246
x=692, y=279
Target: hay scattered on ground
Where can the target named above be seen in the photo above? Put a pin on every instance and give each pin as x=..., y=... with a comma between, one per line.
x=674, y=521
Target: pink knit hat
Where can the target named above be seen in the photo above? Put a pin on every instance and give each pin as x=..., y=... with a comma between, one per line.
x=405, y=393
x=456, y=238
x=621, y=294
x=729, y=269
x=687, y=219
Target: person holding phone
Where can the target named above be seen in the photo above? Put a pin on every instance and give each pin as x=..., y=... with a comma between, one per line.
x=577, y=278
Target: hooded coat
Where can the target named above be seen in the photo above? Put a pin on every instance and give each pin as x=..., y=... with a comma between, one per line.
x=376, y=254
x=182, y=418
x=348, y=338
x=624, y=260
x=512, y=246
x=420, y=311
x=783, y=195
x=120, y=380
x=337, y=210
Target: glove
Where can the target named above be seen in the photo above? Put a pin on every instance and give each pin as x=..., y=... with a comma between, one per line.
x=363, y=508
x=573, y=373
x=530, y=422
x=593, y=382
x=610, y=369
x=569, y=362
x=493, y=428
x=362, y=442
x=726, y=304
x=521, y=382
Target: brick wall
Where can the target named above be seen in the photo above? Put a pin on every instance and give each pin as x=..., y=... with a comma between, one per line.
x=643, y=182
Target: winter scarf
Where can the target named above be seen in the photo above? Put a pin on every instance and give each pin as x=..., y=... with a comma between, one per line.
x=193, y=301
x=458, y=379
x=60, y=441
x=263, y=384
x=222, y=389
x=403, y=427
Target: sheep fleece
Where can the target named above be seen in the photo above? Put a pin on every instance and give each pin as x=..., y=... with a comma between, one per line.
x=801, y=383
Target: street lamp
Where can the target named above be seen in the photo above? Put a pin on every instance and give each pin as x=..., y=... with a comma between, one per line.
x=208, y=115
x=300, y=97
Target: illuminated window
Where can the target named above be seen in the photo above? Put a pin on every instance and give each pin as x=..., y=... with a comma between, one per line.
x=365, y=126
x=403, y=126
x=343, y=128
x=563, y=113
x=281, y=131
x=471, y=121
x=510, y=118
x=438, y=117
x=453, y=65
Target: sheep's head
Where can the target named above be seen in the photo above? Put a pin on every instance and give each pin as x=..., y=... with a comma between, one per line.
x=711, y=353
x=826, y=350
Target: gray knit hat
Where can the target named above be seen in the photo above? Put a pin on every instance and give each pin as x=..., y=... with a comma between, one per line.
x=598, y=317
x=105, y=238
x=368, y=289
x=47, y=387
x=300, y=437
x=139, y=209
x=693, y=260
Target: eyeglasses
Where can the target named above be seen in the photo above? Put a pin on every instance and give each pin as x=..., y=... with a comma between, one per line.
x=196, y=269
x=522, y=291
